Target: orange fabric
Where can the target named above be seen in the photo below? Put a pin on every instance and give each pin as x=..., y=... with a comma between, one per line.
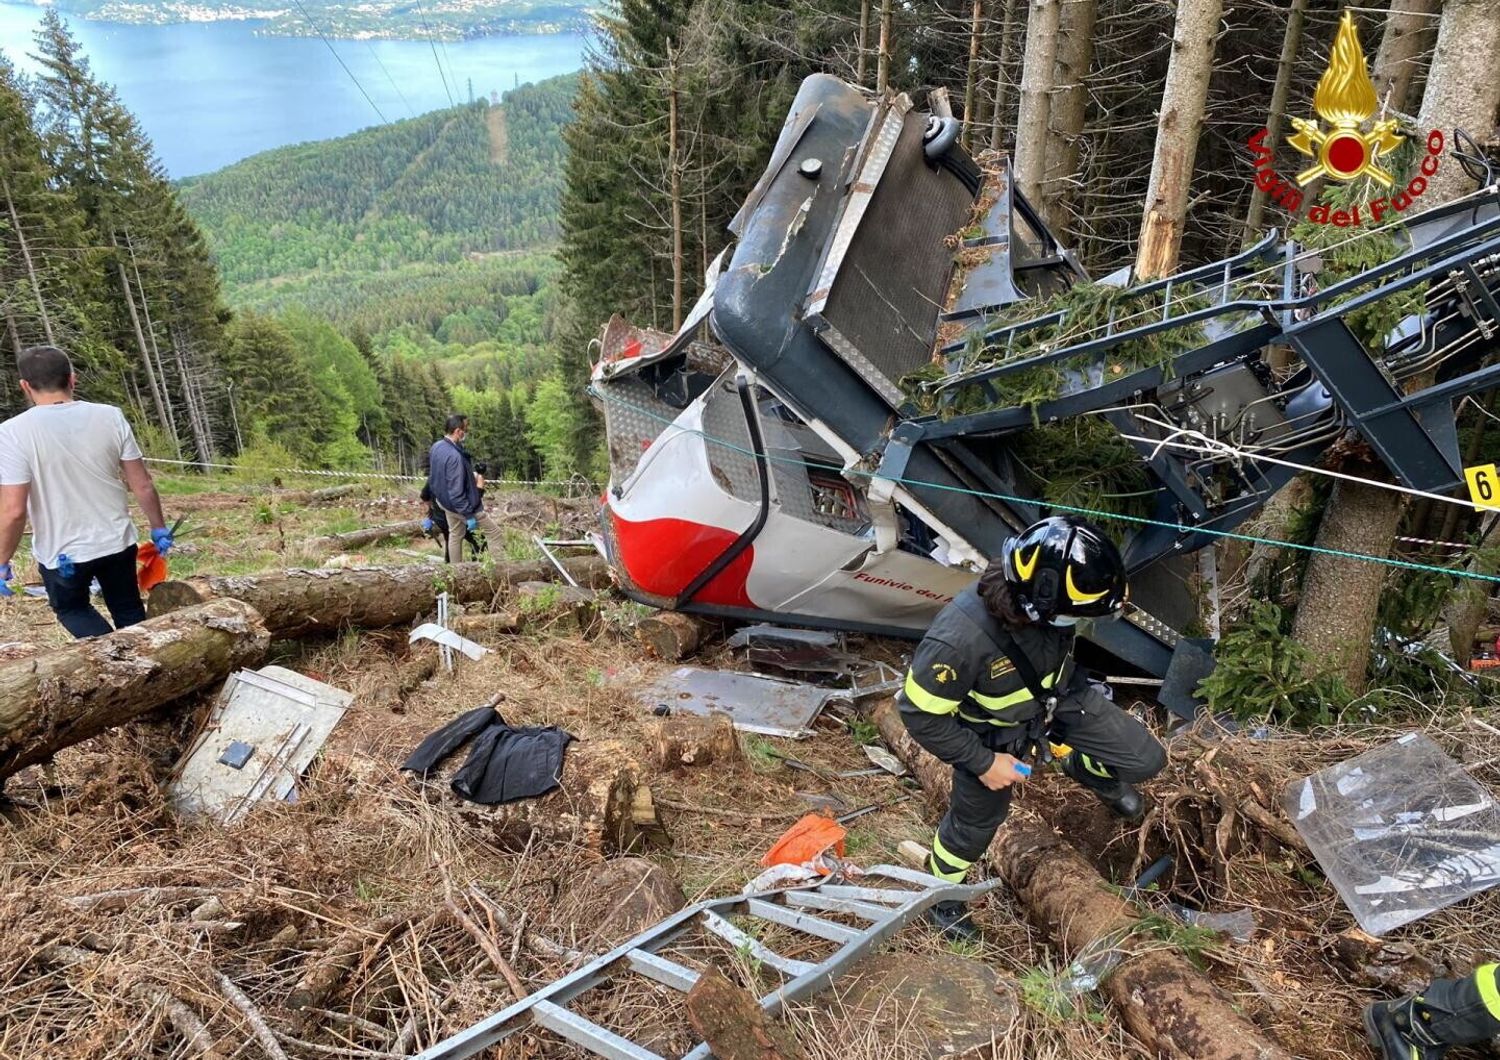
x=814, y=834
x=153, y=566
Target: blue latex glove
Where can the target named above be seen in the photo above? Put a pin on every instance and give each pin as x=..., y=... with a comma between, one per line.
x=472, y=523
x=162, y=539
x=7, y=575
x=427, y=526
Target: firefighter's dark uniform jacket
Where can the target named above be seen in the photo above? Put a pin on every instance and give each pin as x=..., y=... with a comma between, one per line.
x=964, y=700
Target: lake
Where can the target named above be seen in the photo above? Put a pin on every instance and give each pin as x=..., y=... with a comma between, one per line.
x=209, y=94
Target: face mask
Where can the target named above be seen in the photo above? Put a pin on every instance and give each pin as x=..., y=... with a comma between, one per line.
x=1065, y=620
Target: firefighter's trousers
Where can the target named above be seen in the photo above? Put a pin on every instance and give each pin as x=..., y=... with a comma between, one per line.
x=1111, y=745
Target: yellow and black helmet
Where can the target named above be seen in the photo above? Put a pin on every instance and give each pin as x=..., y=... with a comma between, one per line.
x=1065, y=568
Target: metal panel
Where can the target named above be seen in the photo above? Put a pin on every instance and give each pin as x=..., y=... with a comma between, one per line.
x=757, y=704
x=885, y=297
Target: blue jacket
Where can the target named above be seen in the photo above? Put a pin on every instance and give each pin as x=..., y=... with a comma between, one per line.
x=450, y=476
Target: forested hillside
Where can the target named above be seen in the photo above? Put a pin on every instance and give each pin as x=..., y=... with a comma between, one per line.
x=473, y=180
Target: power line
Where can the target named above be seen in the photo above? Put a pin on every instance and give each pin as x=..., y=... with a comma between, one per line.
x=319, y=31
x=432, y=43
x=376, y=56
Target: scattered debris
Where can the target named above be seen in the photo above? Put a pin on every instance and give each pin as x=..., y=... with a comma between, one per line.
x=447, y=638
x=1401, y=831
x=766, y=705
x=505, y=764
x=806, y=842
x=885, y=760
x=670, y=635
x=264, y=730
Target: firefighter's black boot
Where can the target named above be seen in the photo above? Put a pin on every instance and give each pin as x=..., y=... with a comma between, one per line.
x=1122, y=798
x=954, y=921
x=1398, y=1031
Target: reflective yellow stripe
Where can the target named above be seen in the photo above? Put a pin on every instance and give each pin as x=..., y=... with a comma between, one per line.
x=987, y=721
x=1094, y=767
x=941, y=854
x=1488, y=978
x=925, y=700
x=1010, y=699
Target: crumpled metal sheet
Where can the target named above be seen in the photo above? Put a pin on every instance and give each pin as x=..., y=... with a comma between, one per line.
x=755, y=703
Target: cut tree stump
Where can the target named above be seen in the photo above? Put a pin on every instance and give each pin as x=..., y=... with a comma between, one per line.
x=695, y=740
x=57, y=698
x=548, y=605
x=361, y=538
x=1164, y=1001
x=670, y=635
x=731, y=1021
x=298, y=602
x=599, y=804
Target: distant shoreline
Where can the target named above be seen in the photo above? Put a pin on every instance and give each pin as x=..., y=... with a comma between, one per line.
x=353, y=24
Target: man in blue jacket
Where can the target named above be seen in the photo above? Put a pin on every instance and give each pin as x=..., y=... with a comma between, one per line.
x=450, y=477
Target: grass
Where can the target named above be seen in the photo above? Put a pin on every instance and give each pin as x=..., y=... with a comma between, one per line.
x=762, y=754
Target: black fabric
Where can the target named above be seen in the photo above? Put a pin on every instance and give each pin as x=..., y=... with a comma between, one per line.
x=69, y=596
x=449, y=738
x=1454, y=1011
x=504, y=765
x=1087, y=722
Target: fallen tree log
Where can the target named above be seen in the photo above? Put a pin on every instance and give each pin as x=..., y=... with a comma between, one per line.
x=670, y=635
x=298, y=602
x=694, y=740
x=729, y=1018
x=599, y=804
x=1162, y=999
x=361, y=538
x=59, y=697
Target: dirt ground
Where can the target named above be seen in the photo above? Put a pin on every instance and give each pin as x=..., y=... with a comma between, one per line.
x=367, y=863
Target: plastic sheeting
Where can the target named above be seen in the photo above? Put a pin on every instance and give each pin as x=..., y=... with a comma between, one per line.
x=1401, y=831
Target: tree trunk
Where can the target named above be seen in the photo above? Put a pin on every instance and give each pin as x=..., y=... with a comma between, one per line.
x=1409, y=29
x=1340, y=597
x=971, y=77
x=883, y=60
x=360, y=538
x=299, y=602
x=864, y=42
x=1075, y=55
x=670, y=635
x=598, y=805
x=322, y=496
x=55, y=699
x=1465, y=609
x=1161, y=998
x=694, y=740
x=1002, y=85
x=1462, y=89
x=674, y=183
x=155, y=349
x=140, y=340
x=1286, y=66
x=729, y=1018
x=36, y=287
x=1037, y=71
x=1183, y=101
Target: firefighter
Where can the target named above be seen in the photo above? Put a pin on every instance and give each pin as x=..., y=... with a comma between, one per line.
x=1449, y=1012
x=994, y=681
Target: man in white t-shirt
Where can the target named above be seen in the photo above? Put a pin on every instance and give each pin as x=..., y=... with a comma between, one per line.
x=67, y=465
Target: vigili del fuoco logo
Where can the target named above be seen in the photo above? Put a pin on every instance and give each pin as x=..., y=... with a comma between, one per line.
x=1343, y=144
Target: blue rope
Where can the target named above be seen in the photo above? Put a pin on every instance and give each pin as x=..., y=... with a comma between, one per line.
x=1069, y=508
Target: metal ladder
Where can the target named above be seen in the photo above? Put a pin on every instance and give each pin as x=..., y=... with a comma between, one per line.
x=885, y=910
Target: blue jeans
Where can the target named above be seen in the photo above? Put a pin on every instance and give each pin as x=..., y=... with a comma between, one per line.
x=69, y=596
